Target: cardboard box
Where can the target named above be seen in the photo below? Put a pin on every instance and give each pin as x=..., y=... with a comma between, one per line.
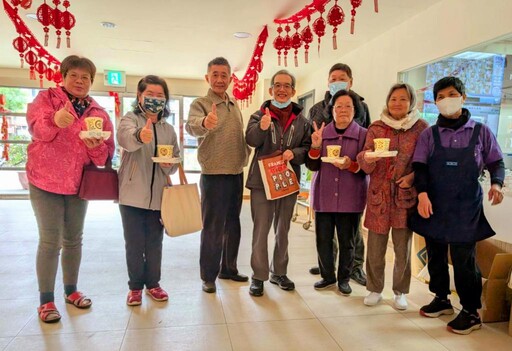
x=494, y=257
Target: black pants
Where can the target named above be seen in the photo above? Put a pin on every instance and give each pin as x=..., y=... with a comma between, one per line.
x=468, y=280
x=346, y=225
x=143, y=236
x=221, y=203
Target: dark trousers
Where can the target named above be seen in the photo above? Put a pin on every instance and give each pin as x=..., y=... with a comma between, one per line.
x=468, y=280
x=221, y=203
x=346, y=226
x=143, y=236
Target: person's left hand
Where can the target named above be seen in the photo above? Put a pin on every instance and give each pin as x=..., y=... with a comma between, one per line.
x=495, y=194
x=288, y=155
x=346, y=163
x=92, y=143
x=406, y=181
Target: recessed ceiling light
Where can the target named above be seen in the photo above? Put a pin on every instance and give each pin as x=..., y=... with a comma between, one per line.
x=32, y=16
x=242, y=35
x=108, y=25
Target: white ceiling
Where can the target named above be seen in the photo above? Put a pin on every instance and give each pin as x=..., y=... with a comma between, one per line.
x=176, y=39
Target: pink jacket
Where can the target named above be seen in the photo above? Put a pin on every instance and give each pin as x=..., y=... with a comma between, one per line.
x=57, y=156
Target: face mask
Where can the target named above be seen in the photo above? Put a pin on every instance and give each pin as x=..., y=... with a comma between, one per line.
x=449, y=106
x=281, y=105
x=154, y=104
x=334, y=87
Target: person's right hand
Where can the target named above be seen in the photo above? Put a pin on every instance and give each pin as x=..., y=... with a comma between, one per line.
x=265, y=120
x=63, y=118
x=316, y=137
x=211, y=119
x=146, y=134
x=424, y=205
x=370, y=159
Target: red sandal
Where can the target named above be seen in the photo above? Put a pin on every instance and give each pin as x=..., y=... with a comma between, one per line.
x=48, y=313
x=78, y=300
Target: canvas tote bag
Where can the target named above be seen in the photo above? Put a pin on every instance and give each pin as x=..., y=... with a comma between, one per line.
x=181, y=207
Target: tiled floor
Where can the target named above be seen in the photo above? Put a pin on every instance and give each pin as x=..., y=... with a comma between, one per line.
x=231, y=319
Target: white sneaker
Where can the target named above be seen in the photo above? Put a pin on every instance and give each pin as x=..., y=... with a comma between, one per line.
x=400, y=302
x=372, y=299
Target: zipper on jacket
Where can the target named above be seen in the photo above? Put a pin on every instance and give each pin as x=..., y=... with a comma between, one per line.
x=273, y=132
x=290, y=136
x=134, y=167
x=154, y=167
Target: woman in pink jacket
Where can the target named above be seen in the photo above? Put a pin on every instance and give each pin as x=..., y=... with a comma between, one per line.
x=56, y=158
x=391, y=195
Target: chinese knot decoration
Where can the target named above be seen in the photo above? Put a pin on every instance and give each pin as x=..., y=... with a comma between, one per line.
x=4, y=129
x=335, y=17
x=30, y=49
x=244, y=88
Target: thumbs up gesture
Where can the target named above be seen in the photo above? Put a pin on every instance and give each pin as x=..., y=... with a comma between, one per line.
x=211, y=119
x=265, y=120
x=146, y=133
x=63, y=118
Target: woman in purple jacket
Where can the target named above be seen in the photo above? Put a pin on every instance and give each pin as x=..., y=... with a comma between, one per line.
x=340, y=189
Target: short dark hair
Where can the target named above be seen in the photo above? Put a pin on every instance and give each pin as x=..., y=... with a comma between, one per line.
x=355, y=100
x=446, y=82
x=74, y=61
x=219, y=61
x=142, y=86
x=341, y=67
x=285, y=72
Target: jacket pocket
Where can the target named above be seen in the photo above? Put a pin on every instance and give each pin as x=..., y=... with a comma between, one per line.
x=376, y=201
x=405, y=197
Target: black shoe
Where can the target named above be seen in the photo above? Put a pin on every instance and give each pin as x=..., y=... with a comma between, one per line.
x=235, y=277
x=359, y=276
x=465, y=323
x=283, y=282
x=209, y=287
x=324, y=284
x=344, y=288
x=256, y=288
x=436, y=308
x=314, y=270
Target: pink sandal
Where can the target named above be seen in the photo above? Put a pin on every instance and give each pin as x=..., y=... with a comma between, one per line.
x=78, y=300
x=48, y=313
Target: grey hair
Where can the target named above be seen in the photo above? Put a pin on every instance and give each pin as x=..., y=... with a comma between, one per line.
x=283, y=71
x=410, y=91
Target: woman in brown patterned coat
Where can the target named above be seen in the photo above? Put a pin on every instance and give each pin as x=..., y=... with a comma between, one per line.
x=391, y=195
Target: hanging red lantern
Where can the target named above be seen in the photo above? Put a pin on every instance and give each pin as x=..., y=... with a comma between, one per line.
x=26, y=4
x=278, y=44
x=296, y=41
x=57, y=77
x=68, y=22
x=21, y=45
x=15, y=3
x=287, y=44
x=355, y=4
x=40, y=67
x=335, y=17
x=45, y=17
x=307, y=38
x=319, y=27
x=49, y=74
x=57, y=21
x=31, y=58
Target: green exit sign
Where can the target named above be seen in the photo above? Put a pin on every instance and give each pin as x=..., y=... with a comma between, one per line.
x=114, y=78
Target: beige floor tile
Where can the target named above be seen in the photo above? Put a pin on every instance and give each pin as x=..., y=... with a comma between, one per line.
x=97, y=341
x=192, y=338
x=183, y=308
x=108, y=313
x=331, y=303
x=275, y=304
x=17, y=314
x=4, y=342
x=15, y=285
x=393, y=332
x=296, y=335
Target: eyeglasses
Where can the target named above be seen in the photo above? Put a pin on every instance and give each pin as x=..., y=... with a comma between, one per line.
x=343, y=107
x=278, y=86
x=84, y=77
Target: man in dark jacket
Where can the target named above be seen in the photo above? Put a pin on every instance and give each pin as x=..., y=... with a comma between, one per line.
x=340, y=78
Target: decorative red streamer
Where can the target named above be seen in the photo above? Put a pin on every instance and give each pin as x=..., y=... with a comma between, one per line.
x=244, y=88
x=306, y=12
x=117, y=103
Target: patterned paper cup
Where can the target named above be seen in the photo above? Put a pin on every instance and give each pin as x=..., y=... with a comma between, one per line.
x=333, y=150
x=94, y=123
x=164, y=150
x=381, y=144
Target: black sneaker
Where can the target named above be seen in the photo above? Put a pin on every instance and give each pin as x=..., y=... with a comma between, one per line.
x=324, y=284
x=282, y=281
x=344, y=288
x=465, y=323
x=359, y=276
x=436, y=308
x=314, y=270
x=256, y=288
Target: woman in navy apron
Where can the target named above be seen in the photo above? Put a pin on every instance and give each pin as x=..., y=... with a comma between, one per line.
x=448, y=160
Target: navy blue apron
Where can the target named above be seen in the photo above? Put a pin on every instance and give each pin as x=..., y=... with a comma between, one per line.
x=456, y=195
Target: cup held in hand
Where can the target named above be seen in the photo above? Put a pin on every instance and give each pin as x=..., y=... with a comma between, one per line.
x=333, y=150
x=94, y=123
x=164, y=150
x=381, y=144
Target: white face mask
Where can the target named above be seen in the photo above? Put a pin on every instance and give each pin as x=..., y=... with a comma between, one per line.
x=449, y=106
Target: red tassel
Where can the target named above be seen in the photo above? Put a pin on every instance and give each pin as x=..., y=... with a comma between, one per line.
x=58, y=42
x=286, y=60
x=306, y=57
x=296, y=61
x=46, y=36
x=21, y=61
x=41, y=81
x=334, y=42
x=279, y=59
x=376, y=5
x=352, y=25
x=32, y=73
x=68, y=42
